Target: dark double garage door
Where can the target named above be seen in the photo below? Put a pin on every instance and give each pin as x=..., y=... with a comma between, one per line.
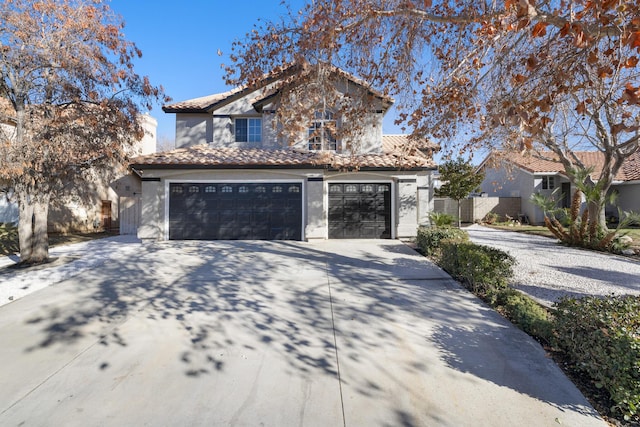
x=273, y=211
x=235, y=211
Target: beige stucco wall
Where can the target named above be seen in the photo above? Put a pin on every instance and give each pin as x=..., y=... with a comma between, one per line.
x=628, y=196
x=193, y=129
x=316, y=221
x=515, y=182
x=407, y=202
x=152, y=211
x=79, y=207
x=217, y=127
x=147, y=144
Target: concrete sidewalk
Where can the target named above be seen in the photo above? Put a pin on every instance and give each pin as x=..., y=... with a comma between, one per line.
x=332, y=333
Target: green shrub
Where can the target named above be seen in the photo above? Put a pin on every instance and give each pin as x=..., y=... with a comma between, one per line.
x=483, y=269
x=440, y=219
x=525, y=313
x=8, y=238
x=429, y=238
x=602, y=337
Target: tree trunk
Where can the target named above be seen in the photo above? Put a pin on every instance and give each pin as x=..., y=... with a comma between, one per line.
x=459, y=216
x=596, y=213
x=32, y=228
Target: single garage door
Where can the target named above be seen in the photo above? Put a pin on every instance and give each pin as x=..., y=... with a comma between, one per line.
x=360, y=211
x=235, y=211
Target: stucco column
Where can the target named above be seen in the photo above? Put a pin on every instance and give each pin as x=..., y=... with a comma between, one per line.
x=316, y=222
x=425, y=198
x=407, y=207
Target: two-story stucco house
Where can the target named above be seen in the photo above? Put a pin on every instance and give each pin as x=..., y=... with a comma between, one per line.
x=234, y=176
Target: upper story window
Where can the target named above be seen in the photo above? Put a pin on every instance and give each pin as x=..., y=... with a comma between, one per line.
x=322, y=132
x=248, y=130
x=548, y=182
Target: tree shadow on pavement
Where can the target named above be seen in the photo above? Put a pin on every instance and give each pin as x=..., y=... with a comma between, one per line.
x=290, y=302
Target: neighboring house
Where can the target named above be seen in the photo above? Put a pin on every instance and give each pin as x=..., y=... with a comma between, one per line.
x=233, y=176
x=517, y=175
x=8, y=209
x=92, y=201
x=98, y=198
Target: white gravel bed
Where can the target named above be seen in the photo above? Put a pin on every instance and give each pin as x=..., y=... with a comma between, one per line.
x=66, y=262
x=547, y=270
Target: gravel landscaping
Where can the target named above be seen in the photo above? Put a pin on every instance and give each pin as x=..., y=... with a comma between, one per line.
x=547, y=270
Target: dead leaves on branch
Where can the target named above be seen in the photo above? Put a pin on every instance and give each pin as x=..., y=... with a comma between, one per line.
x=533, y=47
x=74, y=84
x=631, y=95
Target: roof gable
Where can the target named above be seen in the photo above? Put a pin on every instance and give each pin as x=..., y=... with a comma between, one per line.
x=209, y=103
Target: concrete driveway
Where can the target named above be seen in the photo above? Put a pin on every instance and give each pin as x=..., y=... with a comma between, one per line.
x=332, y=333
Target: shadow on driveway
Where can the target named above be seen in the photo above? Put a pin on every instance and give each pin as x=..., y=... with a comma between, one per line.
x=238, y=333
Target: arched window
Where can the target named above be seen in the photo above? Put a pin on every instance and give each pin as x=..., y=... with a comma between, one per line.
x=322, y=131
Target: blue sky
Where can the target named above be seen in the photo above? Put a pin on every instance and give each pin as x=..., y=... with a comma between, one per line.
x=180, y=41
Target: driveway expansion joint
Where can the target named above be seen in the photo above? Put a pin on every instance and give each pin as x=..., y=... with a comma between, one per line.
x=335, y=345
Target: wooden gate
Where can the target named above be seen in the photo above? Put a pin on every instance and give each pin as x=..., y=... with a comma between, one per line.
x=129, y=215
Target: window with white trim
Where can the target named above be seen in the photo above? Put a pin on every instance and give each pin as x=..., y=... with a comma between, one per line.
x=322, y=131
x=548, y=182
x=248, y=130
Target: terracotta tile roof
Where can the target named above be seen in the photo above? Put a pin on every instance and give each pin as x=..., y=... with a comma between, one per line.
x=204, y=103
x=205, y=156
x=392, y=143
x=631, y=167
x=629, y=171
